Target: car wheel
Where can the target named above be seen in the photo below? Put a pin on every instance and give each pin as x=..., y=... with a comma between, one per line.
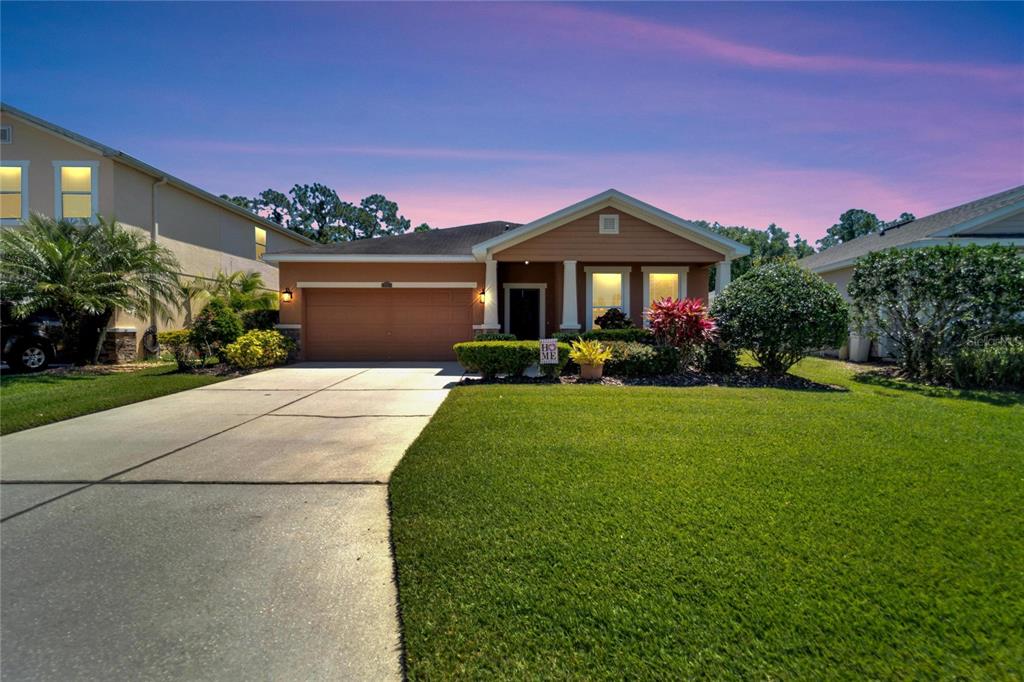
x=31, y=357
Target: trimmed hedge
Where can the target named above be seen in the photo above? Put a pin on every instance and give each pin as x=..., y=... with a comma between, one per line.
x=629, y=335
x=508, y=358
x=640, y=360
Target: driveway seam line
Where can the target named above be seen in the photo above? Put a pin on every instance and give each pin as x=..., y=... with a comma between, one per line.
x=347, y=416
x=179, y=449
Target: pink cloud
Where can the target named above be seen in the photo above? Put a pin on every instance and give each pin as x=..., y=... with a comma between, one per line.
x=608, y=30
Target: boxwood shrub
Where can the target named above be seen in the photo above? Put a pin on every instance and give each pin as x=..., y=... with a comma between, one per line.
x=258, y=348
x=506, y=358
x=629, y=335
x=631, y=359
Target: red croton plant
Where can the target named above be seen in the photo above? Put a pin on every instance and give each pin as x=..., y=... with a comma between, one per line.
x=683, y=323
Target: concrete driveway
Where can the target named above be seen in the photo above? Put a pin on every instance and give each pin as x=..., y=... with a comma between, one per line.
x=236, y=531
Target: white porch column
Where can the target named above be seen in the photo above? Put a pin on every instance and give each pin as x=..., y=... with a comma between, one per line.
x=491, y=296
x=570, y=321
x=723, y=270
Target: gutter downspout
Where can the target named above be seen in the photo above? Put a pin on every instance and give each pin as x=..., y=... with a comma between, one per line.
x=153, y=237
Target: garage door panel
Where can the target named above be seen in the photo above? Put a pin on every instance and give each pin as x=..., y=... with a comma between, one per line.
x=387, y=324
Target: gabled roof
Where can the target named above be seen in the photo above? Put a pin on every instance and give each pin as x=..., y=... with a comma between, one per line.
x=450, y=243
x=938, y=228
x=121, y=157
x=612, y=198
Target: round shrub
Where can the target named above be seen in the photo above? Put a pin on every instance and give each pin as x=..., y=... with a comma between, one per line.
x=613, y=319
x=993, y=363
x=216, y=326
x=258, y=348
x=629, y=334
x=177, y=343
x=781, y=312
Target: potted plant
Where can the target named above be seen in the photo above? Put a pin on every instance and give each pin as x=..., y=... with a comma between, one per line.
x=590, y=356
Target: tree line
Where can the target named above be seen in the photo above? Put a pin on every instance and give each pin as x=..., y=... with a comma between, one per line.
x=317, y=212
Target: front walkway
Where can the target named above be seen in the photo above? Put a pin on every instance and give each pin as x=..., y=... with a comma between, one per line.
x=236, y=531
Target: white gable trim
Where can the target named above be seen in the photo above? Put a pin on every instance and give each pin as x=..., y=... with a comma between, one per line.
x=622, y=202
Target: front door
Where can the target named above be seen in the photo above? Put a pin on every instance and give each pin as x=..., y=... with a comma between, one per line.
x=524, y=313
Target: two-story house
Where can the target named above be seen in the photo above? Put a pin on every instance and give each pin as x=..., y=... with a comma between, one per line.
x=47, y=169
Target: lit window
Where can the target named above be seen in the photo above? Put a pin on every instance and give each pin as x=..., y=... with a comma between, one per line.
x=607, y=293
x=76, y=190
x=13, y=191
x=261, y=243
x=662, y=283
x=663, y=286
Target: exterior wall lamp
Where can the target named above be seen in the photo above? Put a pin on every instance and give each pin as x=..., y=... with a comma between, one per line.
x=286, y=296
x=483, y=295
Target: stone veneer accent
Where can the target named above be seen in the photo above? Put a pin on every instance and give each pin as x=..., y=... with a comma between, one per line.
x=119, y=346
x=293, y=332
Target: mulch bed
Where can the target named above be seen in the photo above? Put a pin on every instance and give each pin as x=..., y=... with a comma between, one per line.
x=744, y=377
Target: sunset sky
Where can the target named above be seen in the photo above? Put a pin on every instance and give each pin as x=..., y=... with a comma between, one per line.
x=742, y=113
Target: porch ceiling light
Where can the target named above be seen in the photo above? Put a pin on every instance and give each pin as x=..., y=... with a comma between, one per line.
x=286, y=296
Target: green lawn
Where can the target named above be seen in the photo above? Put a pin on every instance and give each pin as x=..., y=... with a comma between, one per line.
x=28, y=400
x=724, y=533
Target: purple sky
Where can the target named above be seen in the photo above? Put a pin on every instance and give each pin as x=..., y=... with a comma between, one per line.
x=744, y=113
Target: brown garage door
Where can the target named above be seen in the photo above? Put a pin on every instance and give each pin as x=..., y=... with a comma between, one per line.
x=387, y=324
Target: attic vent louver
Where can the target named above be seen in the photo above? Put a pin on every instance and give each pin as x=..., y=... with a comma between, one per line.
x=608, y=224
x=6, y=135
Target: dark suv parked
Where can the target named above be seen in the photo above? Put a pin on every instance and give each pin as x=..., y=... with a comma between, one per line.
x=30, y=344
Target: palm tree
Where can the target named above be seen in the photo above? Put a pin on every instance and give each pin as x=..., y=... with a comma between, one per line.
x=83, y=272
x=243, y=291
x=188, y=293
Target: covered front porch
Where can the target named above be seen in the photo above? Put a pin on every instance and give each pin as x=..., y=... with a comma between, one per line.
x=535, y=299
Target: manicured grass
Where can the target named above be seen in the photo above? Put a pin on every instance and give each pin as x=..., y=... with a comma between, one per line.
x=723, y=533
x=28, y=400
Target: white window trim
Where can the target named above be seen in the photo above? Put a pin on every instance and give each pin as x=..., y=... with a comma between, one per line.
x=541, y=301
x=600, y=223
x=591, y=270
x=649, y=270
x=23, y=165
x=58, y=205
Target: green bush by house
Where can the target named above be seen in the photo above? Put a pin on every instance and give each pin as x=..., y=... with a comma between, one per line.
x=931, y=302
x=997, y=363
x=506, y=358
x=494, y=336
x=216, y=326
x=631, y=334
x=780, y=312
x=632, y=359
x=258, y=348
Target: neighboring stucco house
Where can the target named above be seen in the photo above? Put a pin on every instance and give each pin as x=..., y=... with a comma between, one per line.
x=996, y=219
x=50, y=170
x=410, y=297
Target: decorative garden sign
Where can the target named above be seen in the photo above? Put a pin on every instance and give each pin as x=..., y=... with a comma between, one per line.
x=548, y=352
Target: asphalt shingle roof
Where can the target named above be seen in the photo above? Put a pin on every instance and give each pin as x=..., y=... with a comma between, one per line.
x=448, y=241
x=913, y=231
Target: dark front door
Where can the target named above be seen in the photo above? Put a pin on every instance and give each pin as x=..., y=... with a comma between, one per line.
x=524, y=313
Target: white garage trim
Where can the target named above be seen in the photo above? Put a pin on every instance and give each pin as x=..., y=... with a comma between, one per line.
x=381, y=285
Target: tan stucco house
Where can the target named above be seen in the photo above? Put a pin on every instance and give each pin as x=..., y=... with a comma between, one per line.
x=410, y=297
x=995, y=219
x=47, y=169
